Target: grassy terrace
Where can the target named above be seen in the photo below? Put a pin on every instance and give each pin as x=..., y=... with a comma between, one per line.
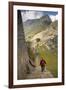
x=50, y=58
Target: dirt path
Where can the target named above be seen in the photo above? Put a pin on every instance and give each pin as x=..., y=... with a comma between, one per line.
x=38, y=74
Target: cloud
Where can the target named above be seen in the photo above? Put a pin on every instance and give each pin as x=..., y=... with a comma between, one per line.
x=31, y=15
x=37, y=14
x=54, y=17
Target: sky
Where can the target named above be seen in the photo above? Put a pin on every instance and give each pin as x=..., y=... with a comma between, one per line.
x=31, y=14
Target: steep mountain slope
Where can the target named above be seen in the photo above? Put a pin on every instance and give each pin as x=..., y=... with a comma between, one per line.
x=47, y=36
x=34, y=26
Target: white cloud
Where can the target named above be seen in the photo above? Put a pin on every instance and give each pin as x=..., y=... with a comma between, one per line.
x=35, y=15
x=31, y=15
x=53, y=18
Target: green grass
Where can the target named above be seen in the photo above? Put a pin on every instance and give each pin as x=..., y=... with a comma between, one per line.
x=51, y=59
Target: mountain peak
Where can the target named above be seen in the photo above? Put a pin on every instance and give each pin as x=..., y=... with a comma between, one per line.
x=46, y=19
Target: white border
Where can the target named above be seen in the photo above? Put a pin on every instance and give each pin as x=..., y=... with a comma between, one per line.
x=37, y=81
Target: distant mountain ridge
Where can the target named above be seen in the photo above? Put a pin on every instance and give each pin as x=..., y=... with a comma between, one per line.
x=44, y=19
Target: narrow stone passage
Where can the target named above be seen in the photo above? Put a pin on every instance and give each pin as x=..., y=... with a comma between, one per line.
x=38, y=74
